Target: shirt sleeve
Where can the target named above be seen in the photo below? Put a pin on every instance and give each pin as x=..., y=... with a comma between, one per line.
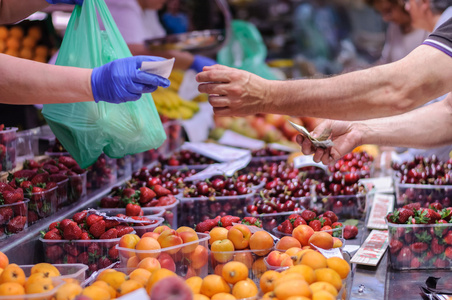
x=441, y=38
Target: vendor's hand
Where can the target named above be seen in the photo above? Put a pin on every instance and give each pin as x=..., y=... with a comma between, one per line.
x=345, y=135
x=233, y=92
x=78, y=2
x=200, y=62
x=121, y=80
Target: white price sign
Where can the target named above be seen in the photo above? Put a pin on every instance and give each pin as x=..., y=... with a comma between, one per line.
x=217, y=152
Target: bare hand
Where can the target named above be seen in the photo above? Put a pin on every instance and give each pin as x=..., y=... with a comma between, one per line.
x=233, y=92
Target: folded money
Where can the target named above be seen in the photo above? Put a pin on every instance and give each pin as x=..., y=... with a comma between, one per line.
x=321, y=142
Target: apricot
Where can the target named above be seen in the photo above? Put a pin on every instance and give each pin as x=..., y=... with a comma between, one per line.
x=222, y=250
x=68, y=291
x=4, y=261
x=322, y=240
x=128, y=286
x=157, y=276
x=26, y=53
x=38, y=277
x=166, y=261
x=313, y=259
x=245, y=257
x=12, y=43
x=223, y=296
x=95, y=292
x=101, y=275
x=322, y=295
x=214, y=284
x=293, y=251
x=339, y=265
x=42, y=50
x=114, y=279
x=16, y=32
x=234, y=272
x=306, y=271
x=147, y=247
x=291, y=288
x=28, y=42
x=200, y=297
x=245, y=289
x=218, y=234
x=261, y=243
x=149, y=263
x=330, y=276
x=105, y=286
x=194, y=283
x=171, y=289
x=259, y=267
x=287, y=242
x=267, y=281
x=199, y=257
x=2, y=46
x=140, y=275
x=323, y=286
x=240, y=236
x=35, y=32
x=133, y=262
x=47, y=269
x=302, y=233
x=170, y=238
x=12, y=273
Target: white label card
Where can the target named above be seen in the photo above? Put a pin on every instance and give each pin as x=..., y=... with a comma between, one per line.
x=234, y=139
x=382, y=205
x=282, y=147
x=228, y=169
x=217, y=152
x=373, y=248
x=307, y=161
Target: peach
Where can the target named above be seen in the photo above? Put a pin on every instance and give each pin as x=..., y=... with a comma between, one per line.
x=171, y=288
x=222, y=250
x=261, y=242
x=218, y=233
x=293, y=251
x=153, y=235
x=302, y=233
x=185, y=229
x=167, y=262
x=287, y=242
x=149, y=263
x=188, y=237
x=337, y=242
x=287, y=261
x=190, y=272
x=132, y=262
x=240, y=236
x=170, y=238
x=275, y=258
x=322, y=240
x=128, y=241
x=147, y=247
x=199, y=257
x=245, y=257
x=4, y=261
x=161, y=228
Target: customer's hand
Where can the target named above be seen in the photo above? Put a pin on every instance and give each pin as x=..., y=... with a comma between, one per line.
x=121, y=80
x=200, y=62
x=78, y=2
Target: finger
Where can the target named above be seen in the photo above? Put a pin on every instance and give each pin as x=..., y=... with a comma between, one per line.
x=141, y=58
x=299, y=139
x=212, y=88
x=326, y=158
x=219, y=101
x=222, y=111
x=214, y=75
x=150, y=79
x=318, y=155
x=306, y=146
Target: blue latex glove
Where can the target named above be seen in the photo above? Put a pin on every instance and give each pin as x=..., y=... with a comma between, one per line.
x=200, y=62
x=79, y=2
x=121, y=80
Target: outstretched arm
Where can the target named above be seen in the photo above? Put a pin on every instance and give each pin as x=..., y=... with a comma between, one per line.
x=14, y=10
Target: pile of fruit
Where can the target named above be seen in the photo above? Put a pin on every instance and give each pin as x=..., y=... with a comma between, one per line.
x=268, y=152
x=227, y=222
x=355, y=162
x=185, y=158
x=169, y=179
x=103, y=172
x=324, y=222
x=15, y=42
x=13, y=210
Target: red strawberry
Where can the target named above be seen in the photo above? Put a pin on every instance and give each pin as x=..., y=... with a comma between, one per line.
x=402, y=215
x=228, y=220
x=40, y=178
x=62, y=167
x=111, y=223
x=25, y=185
x=316, y=225
x=53, y=252
x=336, y=225
x=97, y=229
x=10, y=197
x=286, y=227
x=405, y=255
x=57, y=177
x=17, y=224
x=146, y=194
x=31, y=164
x=113, y=253
x=37, y=194
x=129, y=193
x=350, y=232
x=308, y=215
x=448, y=252
x=28, y=174
x=133, y=210
x=395, y=246
x=5, y=187
x=71, y=249
x=415, y=263
x=252, y=221
x=206, y=225
x=53, y=234
x=448, y=238
x=51, y=169
x=109, y=202
x=72, y=232
x=431, y=215
x=91, y=219
x=111, y=233
x=441, y=263
x=161, y=191
x=70, y=259
x=80, y=217
x=166, y=200
x=331, y=215
x=67, y=161
x=32, y=217
x=418, y=247
x=94, y=250
x=436, y=247
x=123, y=229
x=299, y=221
x=325, y=221
x=65, y=222
x=103, y=262
x=83, y=258
x=6, y=213
x=413, y=206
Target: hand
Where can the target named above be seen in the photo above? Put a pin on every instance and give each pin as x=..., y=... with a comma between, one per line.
x=233, y=92
x=78, y=2
x=345, y=135
x=200, y=62
x=121, y=80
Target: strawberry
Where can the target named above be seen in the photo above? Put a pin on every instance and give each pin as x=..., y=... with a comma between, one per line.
x=36, y=194
x=286, y=227
x=315, y=224
x=448, y=238
x=53, y=234
x=67, y=161
x=72, y=232
x=350, y=232
x=57, y=177
x=113, y=253
x=17, y=224
x=32, y=217
x=436, y=247
x=251, y=221
x=448, y=252
x=83, y=258
x=109, y=202
x=413, y=206
x=91, y=219
x=31, y=164
x=49, y=185
x=161, y=191
x=80, y=217
x=111, y=233
x=129, y=193
x=40, y=178
x=336, y=225
x=71, y=249
x=418, y=247
x=123, y=229
x=28, y=174
x=402, y=215
x=6, y=213
x=308, y=215
x=13, y=197
x=325, y=221
x=94, y=250
x=166, y=200
x=133, y=210
x=93, y=268
x=66, y=222
x=441, y=263
x=331, y=215
x=103, y=262
x=395, y=246
x=415, y=263
x=62, y=167
x=436, y=206
x=25, y=185
x=431, y=215
x=206, y=225
x=146, y=194
x=299, y=221
x=228, y=220
x=446, y=214
x=51, y=169
x=97, y=229
x=70, y=259
x=111, y=223
x=53, y=252
x=405, y=255
x=5, y=187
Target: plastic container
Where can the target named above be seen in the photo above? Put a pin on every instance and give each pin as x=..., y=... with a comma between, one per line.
x=102, y=173
x=77, y=187
x=137, y=161
x=96, y=254
x=419, y=246
x=336, y=232
x=62, y=193
x=24, y=145
x=42, y=204
x=344, y=206
x=423, y=193
x=8, y=149
x=10, y=211
x=170, y=213
x=74, y=271
x=186, y=259
x=148, y=211
x=124, y=166
x=253, y=259
x=55, y=155
x=197, y=209
x=175, y=137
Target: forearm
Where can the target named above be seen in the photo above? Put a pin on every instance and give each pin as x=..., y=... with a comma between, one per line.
x=183, y=60
x=426, y=127
x=27, y=82
x=376, y=92
x=14, y=10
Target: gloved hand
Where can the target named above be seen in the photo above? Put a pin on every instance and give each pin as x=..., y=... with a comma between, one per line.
x=200, y=62
x=121, y=80
x=78, y=2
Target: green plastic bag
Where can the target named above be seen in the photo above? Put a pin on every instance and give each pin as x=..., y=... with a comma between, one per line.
x=245, y=50
x=86, y=129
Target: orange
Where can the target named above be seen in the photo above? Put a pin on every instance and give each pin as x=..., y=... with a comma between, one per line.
x=12, y=52
x=156, y=276
x=322, y=240
x=292, y=288
x=11, y=288
x=42, y=51
x=245, y=257
x=146, y=247
x=261, y=241
x=330, y=276
x=306, y=271
x=194, y=283
x=115, y=279
x=4, y=261
x=128, y=286
x=12, y=43
x=26, y=53
x=223, y=296
x=214, y=284
x=267, y=281
x=35, y=32
x=41, y=59
x=28, y=42
x=322, y=295
x=4, y=33
x=2, y=46
x=68, y=291
x=17, y=32
x=339, y=265
x=140, y=275
x=234, y=271
x=96, y=293
x=245, y=289
x=105, y=286
x=47, y=269
x=313, y=259
x=13, y=273
x=323, y=286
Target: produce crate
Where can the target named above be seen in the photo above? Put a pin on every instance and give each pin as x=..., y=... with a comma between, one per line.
x=8, y=213
x=423, y=193
x=188, y=258
x=336, y=232
x=420, y=246
x=8, y=149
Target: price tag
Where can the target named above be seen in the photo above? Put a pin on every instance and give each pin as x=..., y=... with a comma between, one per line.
x=227, y=169
x=382, y=205
x=282, y=147
x=217, y=152
x=234, y=139
x=372, y=250
x=307, y=161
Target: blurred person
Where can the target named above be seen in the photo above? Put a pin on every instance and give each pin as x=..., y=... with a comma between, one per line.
x=173, y=19
x=132, y=18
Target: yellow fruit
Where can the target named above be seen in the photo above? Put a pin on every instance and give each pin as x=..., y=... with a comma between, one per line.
x=140, y=275
x=200, y=297
x=68, y=291
x=156, y=276
x=214, y=284
x=313, y=259
x=223, y=296
x=330, y=276
x=245, y=289
x=323, y=286
x=105, y=286
x=11, y=288
x=339, y=265
x=47, y=269
x=96, y=293
x=234, y=271
x=12, y=273
x=306, y=271
x=115, y=279
x=38, y=287
x=291, y=288
x=38, y=277
x=194, y=283
x=322, y=295
x=128, y=286
x=267, y=281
